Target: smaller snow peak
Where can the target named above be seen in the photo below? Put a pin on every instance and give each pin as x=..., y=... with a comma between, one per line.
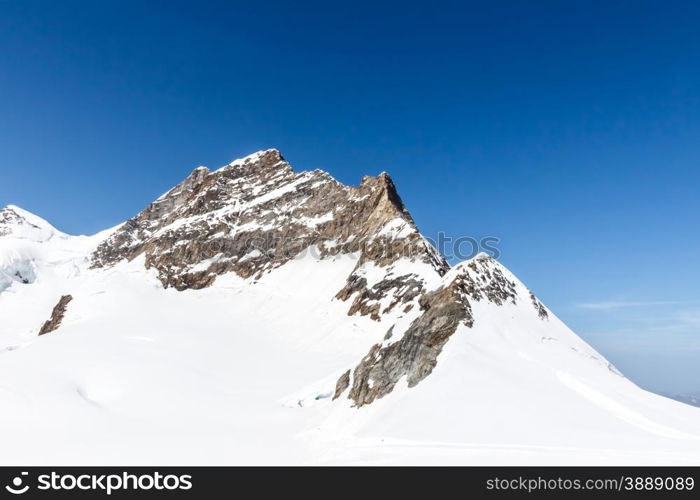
x=7, y=214
x=482, y=257
x=13, y=210
x=24, y=215
x=20, y=223
x=480, y=262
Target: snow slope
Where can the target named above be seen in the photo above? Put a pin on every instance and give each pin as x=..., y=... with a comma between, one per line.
x=509, y=391
x=243, y=371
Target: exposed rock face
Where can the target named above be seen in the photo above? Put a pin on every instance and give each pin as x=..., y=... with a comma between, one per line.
x=541, y=310
x=342, y=384
x=368, y=298
x=415, y=354
x=59, y=311
x=257, y=213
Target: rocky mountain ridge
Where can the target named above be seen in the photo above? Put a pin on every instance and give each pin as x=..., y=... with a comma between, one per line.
x=256, y=214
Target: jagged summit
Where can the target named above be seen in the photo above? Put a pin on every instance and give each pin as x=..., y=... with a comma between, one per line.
x=256, y=213
x=259, y=163
x=271, y=156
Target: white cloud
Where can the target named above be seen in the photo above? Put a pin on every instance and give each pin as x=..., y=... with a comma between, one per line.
x=690, y=317
x=609, y=305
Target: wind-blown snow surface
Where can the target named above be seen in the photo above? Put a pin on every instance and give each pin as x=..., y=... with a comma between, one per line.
x=242, y=372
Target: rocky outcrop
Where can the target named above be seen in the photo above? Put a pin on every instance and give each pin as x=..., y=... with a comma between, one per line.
x=402, y=290
x=342, y=384
x=539, y=307
x=59, y=311
x=415, y=354
x=255, y=214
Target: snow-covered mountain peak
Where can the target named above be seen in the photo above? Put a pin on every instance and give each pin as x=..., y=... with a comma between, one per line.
x=31, y=248
x=257, y=213
x=26, y=240
x=19, y=223
x=297, y=319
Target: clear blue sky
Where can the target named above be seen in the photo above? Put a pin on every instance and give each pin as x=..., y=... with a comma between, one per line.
x=569, y=130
